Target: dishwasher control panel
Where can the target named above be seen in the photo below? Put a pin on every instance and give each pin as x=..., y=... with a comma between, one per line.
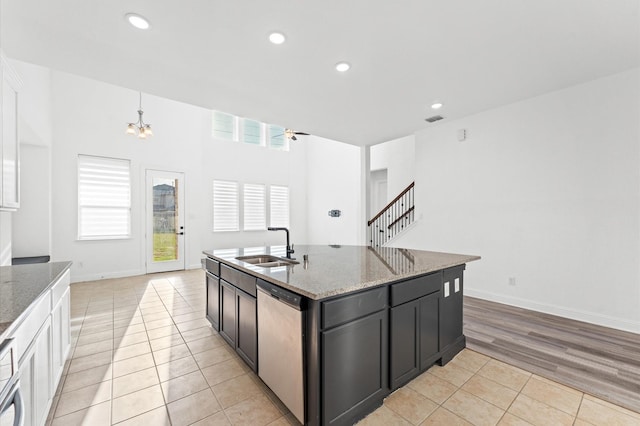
x=285, y=296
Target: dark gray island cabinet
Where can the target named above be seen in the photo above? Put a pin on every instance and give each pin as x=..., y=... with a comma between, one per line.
x=360, y=342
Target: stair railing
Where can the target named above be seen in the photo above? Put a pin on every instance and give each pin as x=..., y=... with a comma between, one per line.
x=392, y=219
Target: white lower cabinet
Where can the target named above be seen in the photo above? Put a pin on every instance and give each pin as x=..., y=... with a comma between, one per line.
x=36, y=377
x=61, y=337
x=43, y=343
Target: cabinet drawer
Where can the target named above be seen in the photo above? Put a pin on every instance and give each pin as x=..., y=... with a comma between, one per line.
x=243, y=281
x=213, y=266
x=345, y=309
x=415, y=288
x=59, y=288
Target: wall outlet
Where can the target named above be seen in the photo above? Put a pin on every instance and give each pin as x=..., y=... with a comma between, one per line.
x=512, y=281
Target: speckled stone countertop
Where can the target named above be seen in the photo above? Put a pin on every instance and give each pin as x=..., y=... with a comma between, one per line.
x=21, y=285
x=335, y=270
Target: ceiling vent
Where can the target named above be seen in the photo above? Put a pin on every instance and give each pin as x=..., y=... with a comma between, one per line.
x=434, y=118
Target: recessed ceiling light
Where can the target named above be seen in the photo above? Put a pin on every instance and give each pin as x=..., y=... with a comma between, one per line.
x=437, y=105
x=342, y=66
x=137, y=21
x=277, y=38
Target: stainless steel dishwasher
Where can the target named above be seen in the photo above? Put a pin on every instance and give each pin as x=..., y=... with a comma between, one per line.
x=280, y=345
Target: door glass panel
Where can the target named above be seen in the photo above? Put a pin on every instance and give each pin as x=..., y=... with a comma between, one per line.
x=165, y=219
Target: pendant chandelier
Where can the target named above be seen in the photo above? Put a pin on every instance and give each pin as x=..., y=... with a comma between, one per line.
x=140, y=128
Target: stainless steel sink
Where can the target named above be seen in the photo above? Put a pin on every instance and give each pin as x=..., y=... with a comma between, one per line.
x=267, y=261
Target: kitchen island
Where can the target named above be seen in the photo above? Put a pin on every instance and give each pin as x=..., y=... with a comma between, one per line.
x=371, y=320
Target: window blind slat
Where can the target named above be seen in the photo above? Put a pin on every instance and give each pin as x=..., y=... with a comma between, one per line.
x=104, y=198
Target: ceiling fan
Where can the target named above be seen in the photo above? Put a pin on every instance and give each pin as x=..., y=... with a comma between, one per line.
x=290, y=134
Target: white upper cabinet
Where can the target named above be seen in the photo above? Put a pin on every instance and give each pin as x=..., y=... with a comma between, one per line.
x=10, y=146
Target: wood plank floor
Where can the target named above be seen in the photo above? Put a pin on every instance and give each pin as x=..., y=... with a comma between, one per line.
x=600, y=361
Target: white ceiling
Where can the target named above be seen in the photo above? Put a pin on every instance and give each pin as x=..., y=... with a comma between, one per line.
x=472, y=55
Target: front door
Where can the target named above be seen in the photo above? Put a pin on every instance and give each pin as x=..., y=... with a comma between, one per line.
x=165, y=221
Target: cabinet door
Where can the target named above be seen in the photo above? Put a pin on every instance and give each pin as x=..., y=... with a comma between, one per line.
x=60, y=341
x=10, y=166
x=247, y=337
x=354, y=368
x=228, y=312
x=213, y=300
x=429, y=315
x=35, y=377
x=405, y=327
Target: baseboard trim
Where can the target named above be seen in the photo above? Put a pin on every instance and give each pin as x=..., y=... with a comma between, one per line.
x=590, y=317
x=195, y=266
x=77, y=277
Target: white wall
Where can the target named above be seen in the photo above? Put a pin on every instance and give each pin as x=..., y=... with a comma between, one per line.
x=31, y=227
x=547, y=191
x=31, y=224
x=89, y=117
x=333, y=183
x=398, y=157
x=35, y=104
x=245, y=163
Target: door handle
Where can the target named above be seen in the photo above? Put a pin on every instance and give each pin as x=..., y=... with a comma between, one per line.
x=179, y=233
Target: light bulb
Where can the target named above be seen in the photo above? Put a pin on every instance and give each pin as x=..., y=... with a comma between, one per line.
x=140, y=22
x=277, y=38
x=342, y=66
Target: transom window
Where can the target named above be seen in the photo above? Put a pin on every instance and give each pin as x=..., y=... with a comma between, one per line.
x=252, y=132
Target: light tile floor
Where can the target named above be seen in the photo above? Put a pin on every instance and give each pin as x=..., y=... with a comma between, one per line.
x=143, y=354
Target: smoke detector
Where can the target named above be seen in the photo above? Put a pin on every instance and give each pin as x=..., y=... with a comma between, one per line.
x=434, y=119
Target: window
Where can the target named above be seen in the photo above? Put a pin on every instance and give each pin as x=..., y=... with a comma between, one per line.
x=254, y=207
x=277, y=138
x=229, y=127
x=279, y=205
x=224, y=126
x=252, y=132
x=104, y=198
x=225, y=206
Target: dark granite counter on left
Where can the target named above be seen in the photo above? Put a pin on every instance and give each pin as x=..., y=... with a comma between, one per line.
x=21, y=286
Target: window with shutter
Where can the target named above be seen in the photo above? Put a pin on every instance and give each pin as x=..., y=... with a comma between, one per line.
x=279, y=205
x=254, y=207
x=104, y=198
x=225, y=206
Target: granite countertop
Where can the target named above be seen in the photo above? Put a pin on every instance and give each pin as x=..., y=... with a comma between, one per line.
x=335, y=270
x=21, y=285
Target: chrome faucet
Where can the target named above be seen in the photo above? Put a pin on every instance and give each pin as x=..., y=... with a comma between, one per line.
x=290, y=250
